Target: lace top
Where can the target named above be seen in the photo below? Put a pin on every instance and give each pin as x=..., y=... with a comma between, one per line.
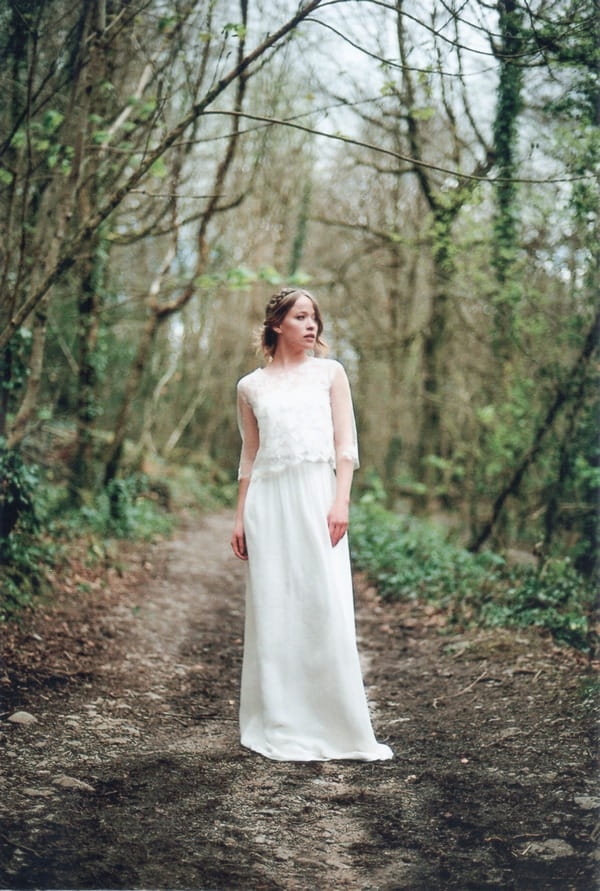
x=287, y=417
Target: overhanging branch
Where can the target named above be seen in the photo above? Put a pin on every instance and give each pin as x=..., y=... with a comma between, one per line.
x=70, y=250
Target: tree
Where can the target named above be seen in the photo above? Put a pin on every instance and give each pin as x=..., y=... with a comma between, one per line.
x=68, y=168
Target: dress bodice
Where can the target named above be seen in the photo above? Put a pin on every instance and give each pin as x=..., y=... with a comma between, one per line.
x=290, y=416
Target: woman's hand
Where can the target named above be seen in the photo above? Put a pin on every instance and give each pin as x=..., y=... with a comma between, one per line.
x=238, y=541
x=337, y=522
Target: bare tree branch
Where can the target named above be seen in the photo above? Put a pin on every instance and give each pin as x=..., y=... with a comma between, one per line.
x=415, y=161
x=71, y=248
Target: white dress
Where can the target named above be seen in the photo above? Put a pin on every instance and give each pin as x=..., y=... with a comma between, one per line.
x=302, y=694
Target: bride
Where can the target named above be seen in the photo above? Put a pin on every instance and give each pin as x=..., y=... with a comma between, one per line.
x=302, y=695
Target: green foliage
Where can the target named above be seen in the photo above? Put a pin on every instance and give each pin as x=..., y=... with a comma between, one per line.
x=242, y=278
x=424, y=113
x=25, y=553
x=26, y=558
x=14, y=363
x=556, y=598
x=236, y=29
x=410, y=559
x=18, y=482
x=198, y=482
x=42, y=137
x=125, y=509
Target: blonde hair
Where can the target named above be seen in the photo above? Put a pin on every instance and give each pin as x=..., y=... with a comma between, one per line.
x=277, y=309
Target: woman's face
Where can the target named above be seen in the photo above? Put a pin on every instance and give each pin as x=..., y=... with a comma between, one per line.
x=298, y=329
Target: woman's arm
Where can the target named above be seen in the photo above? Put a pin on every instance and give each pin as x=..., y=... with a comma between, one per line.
x=238, y=538
x=337, y=518
x=250, y=441
x=346, y=454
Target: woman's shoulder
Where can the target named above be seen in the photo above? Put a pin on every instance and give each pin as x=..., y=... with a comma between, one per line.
x=248, y=383
x=330, y=367
x=248, y=379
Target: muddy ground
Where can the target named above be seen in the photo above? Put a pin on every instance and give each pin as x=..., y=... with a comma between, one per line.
x=132, y=776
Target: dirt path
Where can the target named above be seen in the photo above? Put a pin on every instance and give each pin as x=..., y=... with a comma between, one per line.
x=491, y=787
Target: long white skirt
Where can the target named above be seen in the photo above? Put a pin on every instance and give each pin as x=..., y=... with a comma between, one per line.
x=302, y=694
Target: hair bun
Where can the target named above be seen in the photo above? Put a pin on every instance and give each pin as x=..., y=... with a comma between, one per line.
x=279, y=296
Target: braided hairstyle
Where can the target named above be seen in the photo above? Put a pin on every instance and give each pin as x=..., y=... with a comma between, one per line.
x=276, y=310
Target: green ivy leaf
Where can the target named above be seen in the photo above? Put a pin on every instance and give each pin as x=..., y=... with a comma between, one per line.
x=300, y=278
x=167, y=23
x=233, y=28
x=52, y=120
x=206, y=281
x=159, y=169
x=240, y=277
x=422, y=114
x=19, y=139
x=269, y=274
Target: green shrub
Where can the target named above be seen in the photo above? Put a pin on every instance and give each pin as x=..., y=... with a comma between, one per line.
x=31, y=547
x=198, y=482
x=25, y=552
x=18, y=482
x=556, y=598
x=409, y=558
x=125, y=509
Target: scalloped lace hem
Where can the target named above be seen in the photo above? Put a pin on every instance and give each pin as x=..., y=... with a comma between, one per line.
x=274, y=467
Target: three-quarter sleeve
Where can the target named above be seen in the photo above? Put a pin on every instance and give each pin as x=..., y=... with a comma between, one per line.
x=249, y=432
x=344, y=425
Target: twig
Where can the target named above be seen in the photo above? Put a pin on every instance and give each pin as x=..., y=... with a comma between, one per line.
x=460, y=692
x=177, y=718
x=9, y=841
x=169, y=194
x=471, y=685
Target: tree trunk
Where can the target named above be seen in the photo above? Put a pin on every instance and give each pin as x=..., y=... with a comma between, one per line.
x=54, y=204
x=18, y=428
x=89, y=305
x=434, y=347
x=505, y=241
x=159, y=313
x=568, y=390
x=115, y=452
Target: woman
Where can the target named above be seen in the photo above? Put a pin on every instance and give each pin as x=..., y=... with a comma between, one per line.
x=302, y=696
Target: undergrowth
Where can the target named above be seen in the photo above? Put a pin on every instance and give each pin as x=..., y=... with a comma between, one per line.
x=39, y=522
x=43, y=523
x=408, y=558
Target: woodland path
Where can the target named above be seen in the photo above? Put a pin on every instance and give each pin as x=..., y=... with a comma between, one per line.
x=133, y=680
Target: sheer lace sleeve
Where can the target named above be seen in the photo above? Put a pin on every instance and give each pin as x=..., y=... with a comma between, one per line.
x=249, y=433
x=344, y=426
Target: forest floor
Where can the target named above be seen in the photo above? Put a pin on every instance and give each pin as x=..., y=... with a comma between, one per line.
x=132, y=776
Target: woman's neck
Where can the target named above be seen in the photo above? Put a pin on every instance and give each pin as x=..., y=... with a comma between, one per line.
x=288, y=359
